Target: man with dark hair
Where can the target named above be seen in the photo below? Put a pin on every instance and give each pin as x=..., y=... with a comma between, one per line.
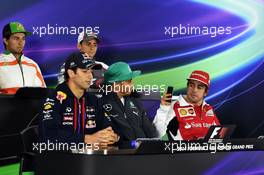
x=72, y=115
x=189, y=117
x=17, y=70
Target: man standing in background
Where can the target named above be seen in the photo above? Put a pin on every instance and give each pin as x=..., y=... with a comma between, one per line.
x=88, y=43
x=17, y=70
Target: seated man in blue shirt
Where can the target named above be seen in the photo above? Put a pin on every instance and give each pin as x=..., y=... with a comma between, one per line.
x=71, y=115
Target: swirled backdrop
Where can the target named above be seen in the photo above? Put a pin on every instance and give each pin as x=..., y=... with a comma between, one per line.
x=166, y=40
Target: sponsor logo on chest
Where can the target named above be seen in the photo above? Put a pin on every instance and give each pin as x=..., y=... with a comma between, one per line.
x=186, y=112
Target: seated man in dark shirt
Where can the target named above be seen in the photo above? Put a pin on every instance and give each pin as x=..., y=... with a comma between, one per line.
x=71, y=115
x=127, y=115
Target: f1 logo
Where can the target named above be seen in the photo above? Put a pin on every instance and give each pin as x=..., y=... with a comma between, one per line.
x=215, y=132
x=219, y=132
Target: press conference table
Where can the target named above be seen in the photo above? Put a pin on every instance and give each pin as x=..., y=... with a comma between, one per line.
x=144, y=160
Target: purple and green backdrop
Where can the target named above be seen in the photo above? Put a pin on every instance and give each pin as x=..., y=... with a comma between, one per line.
x=166, y=40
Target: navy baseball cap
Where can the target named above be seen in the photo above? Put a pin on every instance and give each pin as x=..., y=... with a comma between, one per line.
x=87, y=37
x=82, y=61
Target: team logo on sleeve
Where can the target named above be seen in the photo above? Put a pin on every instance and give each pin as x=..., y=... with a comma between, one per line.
x=107, y=107
x=61, y=96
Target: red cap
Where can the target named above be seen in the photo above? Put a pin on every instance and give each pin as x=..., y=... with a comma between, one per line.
x=201, y=76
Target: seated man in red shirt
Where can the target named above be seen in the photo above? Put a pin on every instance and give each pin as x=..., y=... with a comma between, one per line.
x=189, y=117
